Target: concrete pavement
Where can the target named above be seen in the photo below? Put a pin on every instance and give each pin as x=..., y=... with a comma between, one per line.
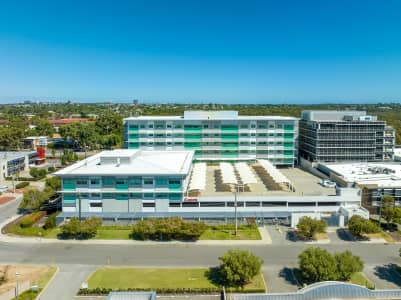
x=67, y=282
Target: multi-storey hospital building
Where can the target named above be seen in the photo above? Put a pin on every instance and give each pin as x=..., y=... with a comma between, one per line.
x=216, y=135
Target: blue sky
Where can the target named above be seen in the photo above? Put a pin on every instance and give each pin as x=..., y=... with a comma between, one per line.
x=201, y=51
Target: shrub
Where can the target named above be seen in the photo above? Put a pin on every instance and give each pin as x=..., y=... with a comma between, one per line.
x=308, y=227
x=51, y=169
x=21, y=185
x=81, y=229
x=360, y=226
x=30, y=219
x=50, y=222
x=238, y=267
x=167, y=229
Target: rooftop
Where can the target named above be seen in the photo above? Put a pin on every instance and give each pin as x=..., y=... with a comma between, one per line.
x=337, y=115
x=9, y=155
x=211, y=115
x=382, y=174
x=132, y=162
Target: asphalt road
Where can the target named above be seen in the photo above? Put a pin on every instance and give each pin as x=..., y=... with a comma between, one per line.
x=176, y=255
x=76, y=261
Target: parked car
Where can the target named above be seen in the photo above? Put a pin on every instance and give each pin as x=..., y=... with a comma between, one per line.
x=328, y=183
x=3, y=188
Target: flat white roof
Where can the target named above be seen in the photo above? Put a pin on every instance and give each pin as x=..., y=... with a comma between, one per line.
x=382, y=174
x=132, y=162
x=10, y=155
x=210, y=115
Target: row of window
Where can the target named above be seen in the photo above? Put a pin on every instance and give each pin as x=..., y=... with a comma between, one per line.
x=121, y=196
x=209, y=126
x=112, y=182
x=207, y=135
x=232, y=204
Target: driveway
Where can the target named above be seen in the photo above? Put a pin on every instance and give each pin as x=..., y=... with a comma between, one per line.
x=279, y=279
x=383, y=276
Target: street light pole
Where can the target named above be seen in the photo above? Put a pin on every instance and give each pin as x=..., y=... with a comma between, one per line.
x=17, y=286
x=380, y=210
x=79, y=207
x=236, y=216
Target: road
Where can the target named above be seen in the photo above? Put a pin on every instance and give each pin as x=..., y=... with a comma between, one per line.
x=77, y=261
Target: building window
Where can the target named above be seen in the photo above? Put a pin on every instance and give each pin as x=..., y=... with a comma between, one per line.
x=148, y=181
x=96, y=204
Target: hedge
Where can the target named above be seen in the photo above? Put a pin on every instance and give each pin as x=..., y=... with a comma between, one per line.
x=21, y=185
x=166, y=229
x=106, y=291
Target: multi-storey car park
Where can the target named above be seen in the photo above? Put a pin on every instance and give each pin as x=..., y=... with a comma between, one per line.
x=335, y=136
x=132, y=184
x=217, y=135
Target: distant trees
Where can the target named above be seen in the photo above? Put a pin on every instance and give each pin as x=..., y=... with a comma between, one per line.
x=238, y=267
x=308, y=227
x=317, y=264
x=360, y=226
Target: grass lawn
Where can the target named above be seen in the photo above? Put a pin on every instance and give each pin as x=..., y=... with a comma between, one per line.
x=360, y=279
x=227, y=232
x=218, y=232
x=113, y=233
x=154, y=279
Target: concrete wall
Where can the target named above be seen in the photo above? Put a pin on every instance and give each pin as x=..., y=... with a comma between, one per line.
x=111, y=205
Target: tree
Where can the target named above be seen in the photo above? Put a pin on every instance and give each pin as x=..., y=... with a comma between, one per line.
x=33, y=199
x=387, y=209
x=238, y=267
x=84, y=134
x=53, y=182
x=42, y=127
x=308, y=227
x=347, y=264
x=37, y=173
x=360, y=226
x=317, y=264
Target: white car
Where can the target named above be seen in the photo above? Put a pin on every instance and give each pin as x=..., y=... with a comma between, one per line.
x=328, y=183
x=3, y=188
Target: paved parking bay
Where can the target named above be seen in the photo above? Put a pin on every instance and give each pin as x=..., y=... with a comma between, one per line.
x=279, y=279
x=383, y=276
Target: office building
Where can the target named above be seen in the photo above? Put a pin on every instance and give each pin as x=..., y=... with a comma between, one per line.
x=126, y=181
x=13, y=162
x=375, y=180
x=335, y=136
x=219, y=135
x=135, y=184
